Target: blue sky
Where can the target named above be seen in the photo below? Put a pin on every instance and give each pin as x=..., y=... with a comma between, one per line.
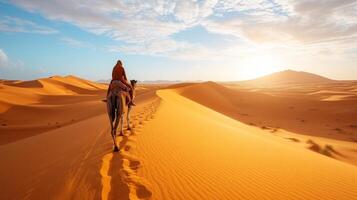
x=177, y=40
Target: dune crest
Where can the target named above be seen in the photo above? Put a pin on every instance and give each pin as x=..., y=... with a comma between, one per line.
x=288, y=77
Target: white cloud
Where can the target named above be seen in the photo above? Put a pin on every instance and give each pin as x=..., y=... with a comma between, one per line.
x=75, y=42
x=132, y=21
x=3, y=58
x=154, y=47
x=15, y=69
x=186, y=11
x=146, y=27
x=301, y=21
x=14, y=24
x=72, y=42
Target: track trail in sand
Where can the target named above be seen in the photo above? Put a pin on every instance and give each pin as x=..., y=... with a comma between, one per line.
x=119, y=169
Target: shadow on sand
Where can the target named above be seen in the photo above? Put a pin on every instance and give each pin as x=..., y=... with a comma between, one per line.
x=119, y=189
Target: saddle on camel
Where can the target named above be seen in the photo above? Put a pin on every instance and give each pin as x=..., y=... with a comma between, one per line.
x=120, y=97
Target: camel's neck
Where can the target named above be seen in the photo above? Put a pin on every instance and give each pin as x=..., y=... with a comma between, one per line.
x=133, y=85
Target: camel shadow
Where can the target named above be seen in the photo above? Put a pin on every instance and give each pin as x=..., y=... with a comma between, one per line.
x=327, y=150
x=119, y=187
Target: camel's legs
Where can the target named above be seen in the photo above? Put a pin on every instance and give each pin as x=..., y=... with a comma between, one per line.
x=128, y=117
x=110, y=110
x=119, y=114
x=121, y=124
x=116, y=123
x=116, y=148
x=114, y=133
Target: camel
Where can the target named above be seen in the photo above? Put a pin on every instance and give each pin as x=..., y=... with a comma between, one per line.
x=117, y=101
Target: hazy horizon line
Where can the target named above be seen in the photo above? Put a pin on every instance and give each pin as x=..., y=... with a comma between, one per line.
x=177, y=80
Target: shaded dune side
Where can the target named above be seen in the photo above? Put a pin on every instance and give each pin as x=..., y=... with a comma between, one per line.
x=191, y=152
x=295, y=114
x=26, y=84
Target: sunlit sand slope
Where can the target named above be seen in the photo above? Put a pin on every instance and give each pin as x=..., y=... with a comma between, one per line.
x=191, y=152
x=72, y=161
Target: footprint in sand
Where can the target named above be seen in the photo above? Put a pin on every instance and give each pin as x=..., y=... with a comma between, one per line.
x=127, y=148
x=293, y=139
x=138, y=187
x=142, y=192
x=134, y=164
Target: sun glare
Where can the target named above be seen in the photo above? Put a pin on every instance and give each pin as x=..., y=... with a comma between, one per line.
x=259, y=66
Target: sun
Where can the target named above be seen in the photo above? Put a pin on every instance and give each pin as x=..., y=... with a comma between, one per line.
x=260, y=65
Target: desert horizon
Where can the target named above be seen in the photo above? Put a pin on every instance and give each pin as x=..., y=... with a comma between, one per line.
x=178, y=100
x=163, y=81
x=185, y=138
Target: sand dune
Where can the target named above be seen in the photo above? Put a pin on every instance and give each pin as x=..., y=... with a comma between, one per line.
x=201, y=154
x=189, y=141
x=32, y=107
x=30, y=92
x=296, y=112
x=64, y=161
x=288, y=77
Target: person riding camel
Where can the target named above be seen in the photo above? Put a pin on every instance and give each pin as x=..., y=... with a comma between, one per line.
x=119, y=74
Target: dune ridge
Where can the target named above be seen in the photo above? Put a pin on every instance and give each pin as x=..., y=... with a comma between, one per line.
x=32, y=107
x=288, y=77
x=201, y=154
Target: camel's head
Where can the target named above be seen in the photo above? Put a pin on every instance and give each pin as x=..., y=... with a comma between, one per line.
x=133, y=83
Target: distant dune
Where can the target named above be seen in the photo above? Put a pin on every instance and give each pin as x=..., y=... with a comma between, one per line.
x=277, y=109
x=157, y=82
x=32, y=107
x=288, y=77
